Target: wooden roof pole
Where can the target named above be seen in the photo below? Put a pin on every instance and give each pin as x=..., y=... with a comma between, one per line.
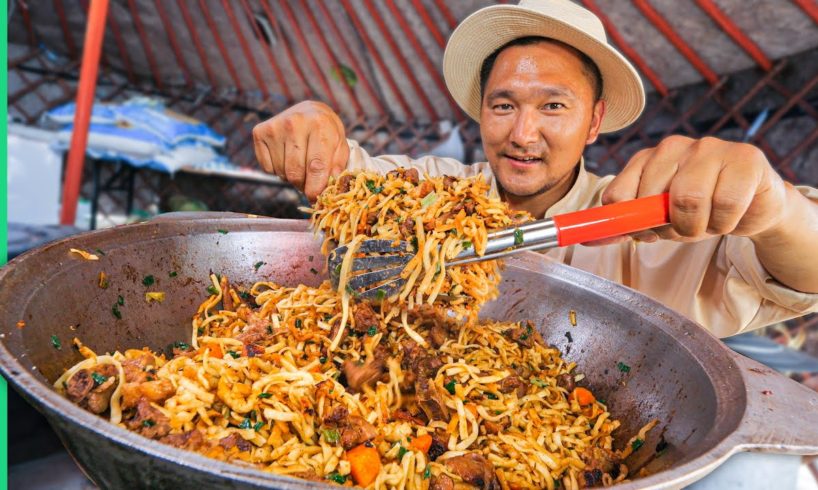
x=92, y=47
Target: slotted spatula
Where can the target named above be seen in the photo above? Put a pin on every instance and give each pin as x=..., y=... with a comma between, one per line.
x=376, y=274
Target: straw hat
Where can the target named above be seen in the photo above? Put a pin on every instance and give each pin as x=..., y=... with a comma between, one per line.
x=481, y=33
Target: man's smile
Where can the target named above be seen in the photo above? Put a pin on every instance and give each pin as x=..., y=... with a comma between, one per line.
x=522, y=161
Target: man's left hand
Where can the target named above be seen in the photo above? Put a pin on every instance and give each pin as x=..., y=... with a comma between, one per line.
x=716, y=188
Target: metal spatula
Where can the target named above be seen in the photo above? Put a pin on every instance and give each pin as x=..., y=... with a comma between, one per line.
x=376, y=274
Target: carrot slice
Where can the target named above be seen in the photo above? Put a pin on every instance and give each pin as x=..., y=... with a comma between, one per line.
x=364, y=464
x=421, y=443
x=583, y=396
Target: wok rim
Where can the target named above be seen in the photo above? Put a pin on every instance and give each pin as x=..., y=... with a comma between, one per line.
x=726, y=440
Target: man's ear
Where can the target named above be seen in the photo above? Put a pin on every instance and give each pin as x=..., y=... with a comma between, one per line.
x=596, y=122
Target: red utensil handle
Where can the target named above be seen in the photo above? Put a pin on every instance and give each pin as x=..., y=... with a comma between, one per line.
x=612, y=220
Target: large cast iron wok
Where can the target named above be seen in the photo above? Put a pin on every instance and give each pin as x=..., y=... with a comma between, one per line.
x=711, y=403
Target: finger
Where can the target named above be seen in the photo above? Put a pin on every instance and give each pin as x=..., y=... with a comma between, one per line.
x=262, y=152
x=663, y=164
x=340, y=158
x=691, y=191
x=732, y=196
x=319, y=157
x=625, y=185
x=646, y=236
x=295, y=150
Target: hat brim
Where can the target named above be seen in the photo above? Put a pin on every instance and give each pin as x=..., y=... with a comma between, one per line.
x=486, y=30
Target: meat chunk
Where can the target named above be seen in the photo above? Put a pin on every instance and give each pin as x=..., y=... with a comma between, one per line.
x=337, y=417
x=365, y=318
x=438, y=335
x=79, y=385
x=523, y=335
x=473, y=468
x=426, y=187
x=256, y=330
x=100, y=397
x=449, y=181
x=513, y=383
x=408, y=174
x=441, y=482
x=235, y=440
x=358, y=375
x=406, y=416
x=191, y=440
x=591, y=477
x=149, y=421
x=407, y=228
x=411, y=175
x=417, y=360
x=356, y=431
x=136, y=369
x=430, y=400
x=566, y=381
x=344, y=183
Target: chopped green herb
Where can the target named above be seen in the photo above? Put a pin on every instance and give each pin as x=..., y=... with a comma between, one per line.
x=466, y=244
x=371, y=331
x=269, y=329
x=258, y=264
x=402, y=452
x=55, y=341
x=538, y=382
x=322, y=359
x=172, y=274
x=212, y=290
x=600, y=400
x=556, y=483
x=428, y=200
x=490, y=395
x=223, y=232
x=98, y=378
x=427, y=472
x=120, y=301
x=234, y=354
x=148, y=280
x=181, y=345
x=339, y=479
x=148, y=423
x=99, y=251
x=380, y=295
x=199, y=331
x=258, y=426
x=370, y=184
x=636, y=444
x=623, y=367
x=245, y=424
x=414, y=242
x=264, y=394
x=518, y=236
x=332, y=436
x=298, y=323
x=244, y=295
x=116, y=312
x=498, y=412
x=312, y=269
x=450, y=386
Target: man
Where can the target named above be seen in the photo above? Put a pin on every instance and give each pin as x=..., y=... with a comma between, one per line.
x=542, y=81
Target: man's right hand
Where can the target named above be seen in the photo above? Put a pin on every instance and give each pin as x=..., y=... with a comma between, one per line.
x=303, y=145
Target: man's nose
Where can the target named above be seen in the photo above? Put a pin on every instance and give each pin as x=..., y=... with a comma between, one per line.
x=525, y=131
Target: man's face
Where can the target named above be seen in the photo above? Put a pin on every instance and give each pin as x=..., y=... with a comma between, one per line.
x=537, y=115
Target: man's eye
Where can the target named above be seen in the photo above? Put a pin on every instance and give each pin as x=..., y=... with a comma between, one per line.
x=554, y=106
x=503, y=107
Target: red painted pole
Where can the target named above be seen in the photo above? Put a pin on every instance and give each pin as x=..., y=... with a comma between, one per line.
x=92, y=47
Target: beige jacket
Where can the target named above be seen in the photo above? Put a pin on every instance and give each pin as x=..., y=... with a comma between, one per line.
x=718, y=282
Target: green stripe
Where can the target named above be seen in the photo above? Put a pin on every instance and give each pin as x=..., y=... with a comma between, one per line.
x=3, y=234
